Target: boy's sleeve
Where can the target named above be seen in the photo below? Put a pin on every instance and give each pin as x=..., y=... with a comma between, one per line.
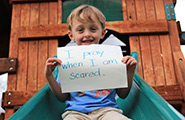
x=58, y=79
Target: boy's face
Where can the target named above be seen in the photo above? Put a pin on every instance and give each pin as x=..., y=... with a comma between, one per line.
x=86, y=33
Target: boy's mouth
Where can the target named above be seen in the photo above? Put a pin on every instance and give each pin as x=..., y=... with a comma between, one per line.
x=87, y=41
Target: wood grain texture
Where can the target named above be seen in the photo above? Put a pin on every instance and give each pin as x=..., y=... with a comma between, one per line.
x=31, y=1
x=22, y=73
x=126, y=27
x=166, y=48
x=134, y=40
x=157, y=62
x=170, y=92
x=43, y=45
x=33, y=50
x=12, y=98
x=14, y=43
x=8, y=65
x=54, y=20
x=146, y=57
x=13, y=51
x=180, y=70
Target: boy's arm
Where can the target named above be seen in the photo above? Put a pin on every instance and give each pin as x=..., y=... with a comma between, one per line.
x=51, y=63
x=131, y=66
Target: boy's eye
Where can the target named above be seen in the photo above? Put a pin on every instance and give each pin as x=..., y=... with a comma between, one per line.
x=93, y=29
x=80, y=30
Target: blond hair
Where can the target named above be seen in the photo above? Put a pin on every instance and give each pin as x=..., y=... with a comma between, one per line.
x=87, y=11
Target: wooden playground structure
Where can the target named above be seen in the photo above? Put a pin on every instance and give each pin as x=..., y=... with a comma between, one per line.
x=37, y=24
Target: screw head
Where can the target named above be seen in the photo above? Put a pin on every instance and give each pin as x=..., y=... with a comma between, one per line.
x=11, y=60
x=9, y=93
x=11, y=68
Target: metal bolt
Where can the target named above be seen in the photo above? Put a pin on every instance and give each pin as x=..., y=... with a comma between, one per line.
x=9, y=93
x=11, y=68
x=11, y=60
x=9, y=102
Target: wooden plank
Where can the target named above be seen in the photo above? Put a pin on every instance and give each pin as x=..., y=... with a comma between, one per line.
x=159, y=75
x=159, y=7
x=165, y=47
x=134, y=40
x=183, y=108
x=126, y=27
x=13, y=51
x=150, y=9
x=180, y=70
x=167, y=60
x=23, y=51
x=8, y=65
x=31, y=1
x=59, y=4
x=43, y=46
x=174, y=36
x=157, y=53
x=33, y=50
x=53, y=20
x=9, y=112
x=16, y=98
x=148, y=70
x=138, y=27
x=14, y=43
x=170, y=92
x=124, y=9
x=131, y=11
x=174, y=40
x=145, y=47
x=155, y=46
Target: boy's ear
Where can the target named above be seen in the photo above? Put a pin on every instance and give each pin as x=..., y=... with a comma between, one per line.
x=103, y=33
x=70, y=35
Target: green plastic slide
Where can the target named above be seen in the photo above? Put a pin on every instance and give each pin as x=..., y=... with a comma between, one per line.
x=142, y=103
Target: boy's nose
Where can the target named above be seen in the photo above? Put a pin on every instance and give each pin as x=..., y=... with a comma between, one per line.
x=87, y=33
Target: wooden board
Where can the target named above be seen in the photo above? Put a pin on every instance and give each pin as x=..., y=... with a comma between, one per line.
x=13, y=50
x=159, y=67
x=180, y=70
x=170, y=92
x=134, y=40
x=8, y=65
x=128, y=27
x=12, y=98
x=33, y=50
x=31, y=1
x=43, y=45
x=155, y=47
x=53, y=20
x=145, y=46
x=167, y=52
x=22, y=73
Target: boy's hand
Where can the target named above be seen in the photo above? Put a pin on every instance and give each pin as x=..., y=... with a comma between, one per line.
x=51, y=63
x=131, y=66
x=130, y=62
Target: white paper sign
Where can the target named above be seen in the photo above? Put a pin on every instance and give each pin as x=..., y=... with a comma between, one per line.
x=91, y=67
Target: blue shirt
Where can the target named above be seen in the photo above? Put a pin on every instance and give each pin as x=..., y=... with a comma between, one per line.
x=90, y=100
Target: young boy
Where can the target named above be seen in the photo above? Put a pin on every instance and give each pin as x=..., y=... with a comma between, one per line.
x=87, y=26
